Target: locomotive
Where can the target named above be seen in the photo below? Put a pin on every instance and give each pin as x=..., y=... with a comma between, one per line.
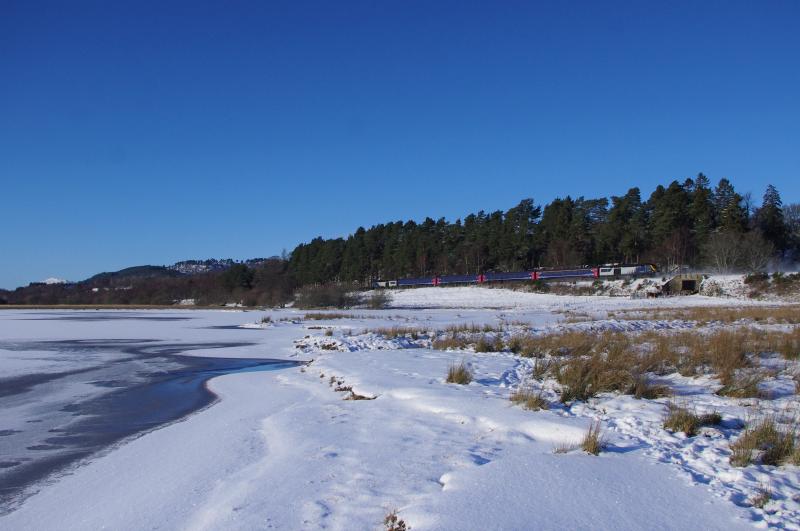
x=607, y=271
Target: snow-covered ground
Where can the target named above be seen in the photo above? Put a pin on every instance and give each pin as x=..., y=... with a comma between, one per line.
x=284, y=450
x=478, y=297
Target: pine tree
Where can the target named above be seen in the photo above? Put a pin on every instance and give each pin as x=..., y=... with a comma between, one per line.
x=701, y=210
x=769, y=219
x=731, y=214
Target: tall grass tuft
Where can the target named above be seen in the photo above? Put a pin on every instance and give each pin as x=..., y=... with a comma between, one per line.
x=593, y=442
x=529, y=399
x=459, y=374
x=763, y=442
x=681, y=419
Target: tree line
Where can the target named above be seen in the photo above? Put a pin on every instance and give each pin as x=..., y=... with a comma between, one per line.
x=683, y=224
x=689, y=223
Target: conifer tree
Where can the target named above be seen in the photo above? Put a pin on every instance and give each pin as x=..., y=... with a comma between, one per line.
x=731, y=214
x=769, y=219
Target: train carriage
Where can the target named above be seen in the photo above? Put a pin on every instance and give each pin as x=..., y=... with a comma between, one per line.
x=606, y=271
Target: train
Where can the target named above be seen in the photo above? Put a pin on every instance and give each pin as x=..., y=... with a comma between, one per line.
x=607, y=271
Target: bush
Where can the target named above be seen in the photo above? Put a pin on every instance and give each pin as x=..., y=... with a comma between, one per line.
x=756, y=278
x=459, y=374
x=379, y=299
x=325, y=296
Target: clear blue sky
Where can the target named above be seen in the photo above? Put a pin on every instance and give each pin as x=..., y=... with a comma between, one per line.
x=149, y=132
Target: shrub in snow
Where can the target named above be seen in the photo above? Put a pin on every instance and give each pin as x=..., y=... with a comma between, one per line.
x=379, y=299
x=325, y=296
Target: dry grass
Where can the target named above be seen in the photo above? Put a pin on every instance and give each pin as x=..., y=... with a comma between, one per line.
x=586, y=363
x=786, y=314
x=459, y=374
x=450, y=343
x=615, y=368
x=529, y=399
x=328, y=316
x=728, y=353
x=399, y=331
x=764, y=442
x=787, y=344
x=489, y=344
x=392, y=522
x=643, y=387
x=593, y=442
x=762, y=498
x=741, y=384
x=565, y=448
x=540, y=368
x=472, y=328
x=681, y=419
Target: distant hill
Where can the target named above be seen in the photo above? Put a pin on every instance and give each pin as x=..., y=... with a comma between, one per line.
x=135, y=272
x=208, y=282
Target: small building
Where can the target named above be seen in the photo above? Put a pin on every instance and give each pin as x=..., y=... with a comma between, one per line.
x=683, y=284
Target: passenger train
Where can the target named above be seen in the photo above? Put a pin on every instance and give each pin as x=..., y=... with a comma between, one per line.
x=608, y=271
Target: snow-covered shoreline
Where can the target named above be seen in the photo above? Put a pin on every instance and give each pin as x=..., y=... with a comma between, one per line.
x=283, y=449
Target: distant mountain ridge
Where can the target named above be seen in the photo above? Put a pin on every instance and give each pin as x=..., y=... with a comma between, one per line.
x=196, y=267
x=211, y=282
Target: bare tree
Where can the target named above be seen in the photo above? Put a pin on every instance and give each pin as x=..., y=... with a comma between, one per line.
x=674, y=251
x=756, y=251
x=722, y=251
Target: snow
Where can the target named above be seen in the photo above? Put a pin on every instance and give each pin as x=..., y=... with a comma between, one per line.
x=499, y=298
x=283, y=450
x=53, y=280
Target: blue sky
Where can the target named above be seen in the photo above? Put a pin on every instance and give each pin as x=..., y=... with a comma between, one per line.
x=141, y=132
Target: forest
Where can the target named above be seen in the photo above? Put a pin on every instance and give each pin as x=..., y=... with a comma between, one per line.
x=685, y=224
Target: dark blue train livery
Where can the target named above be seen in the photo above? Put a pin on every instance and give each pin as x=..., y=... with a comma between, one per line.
x=604, y=271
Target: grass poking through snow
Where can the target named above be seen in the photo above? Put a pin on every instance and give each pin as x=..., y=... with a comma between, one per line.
x=593, y=442
x=681, y=419
x=459, y=374
x=529, y=399
x=764, y=442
